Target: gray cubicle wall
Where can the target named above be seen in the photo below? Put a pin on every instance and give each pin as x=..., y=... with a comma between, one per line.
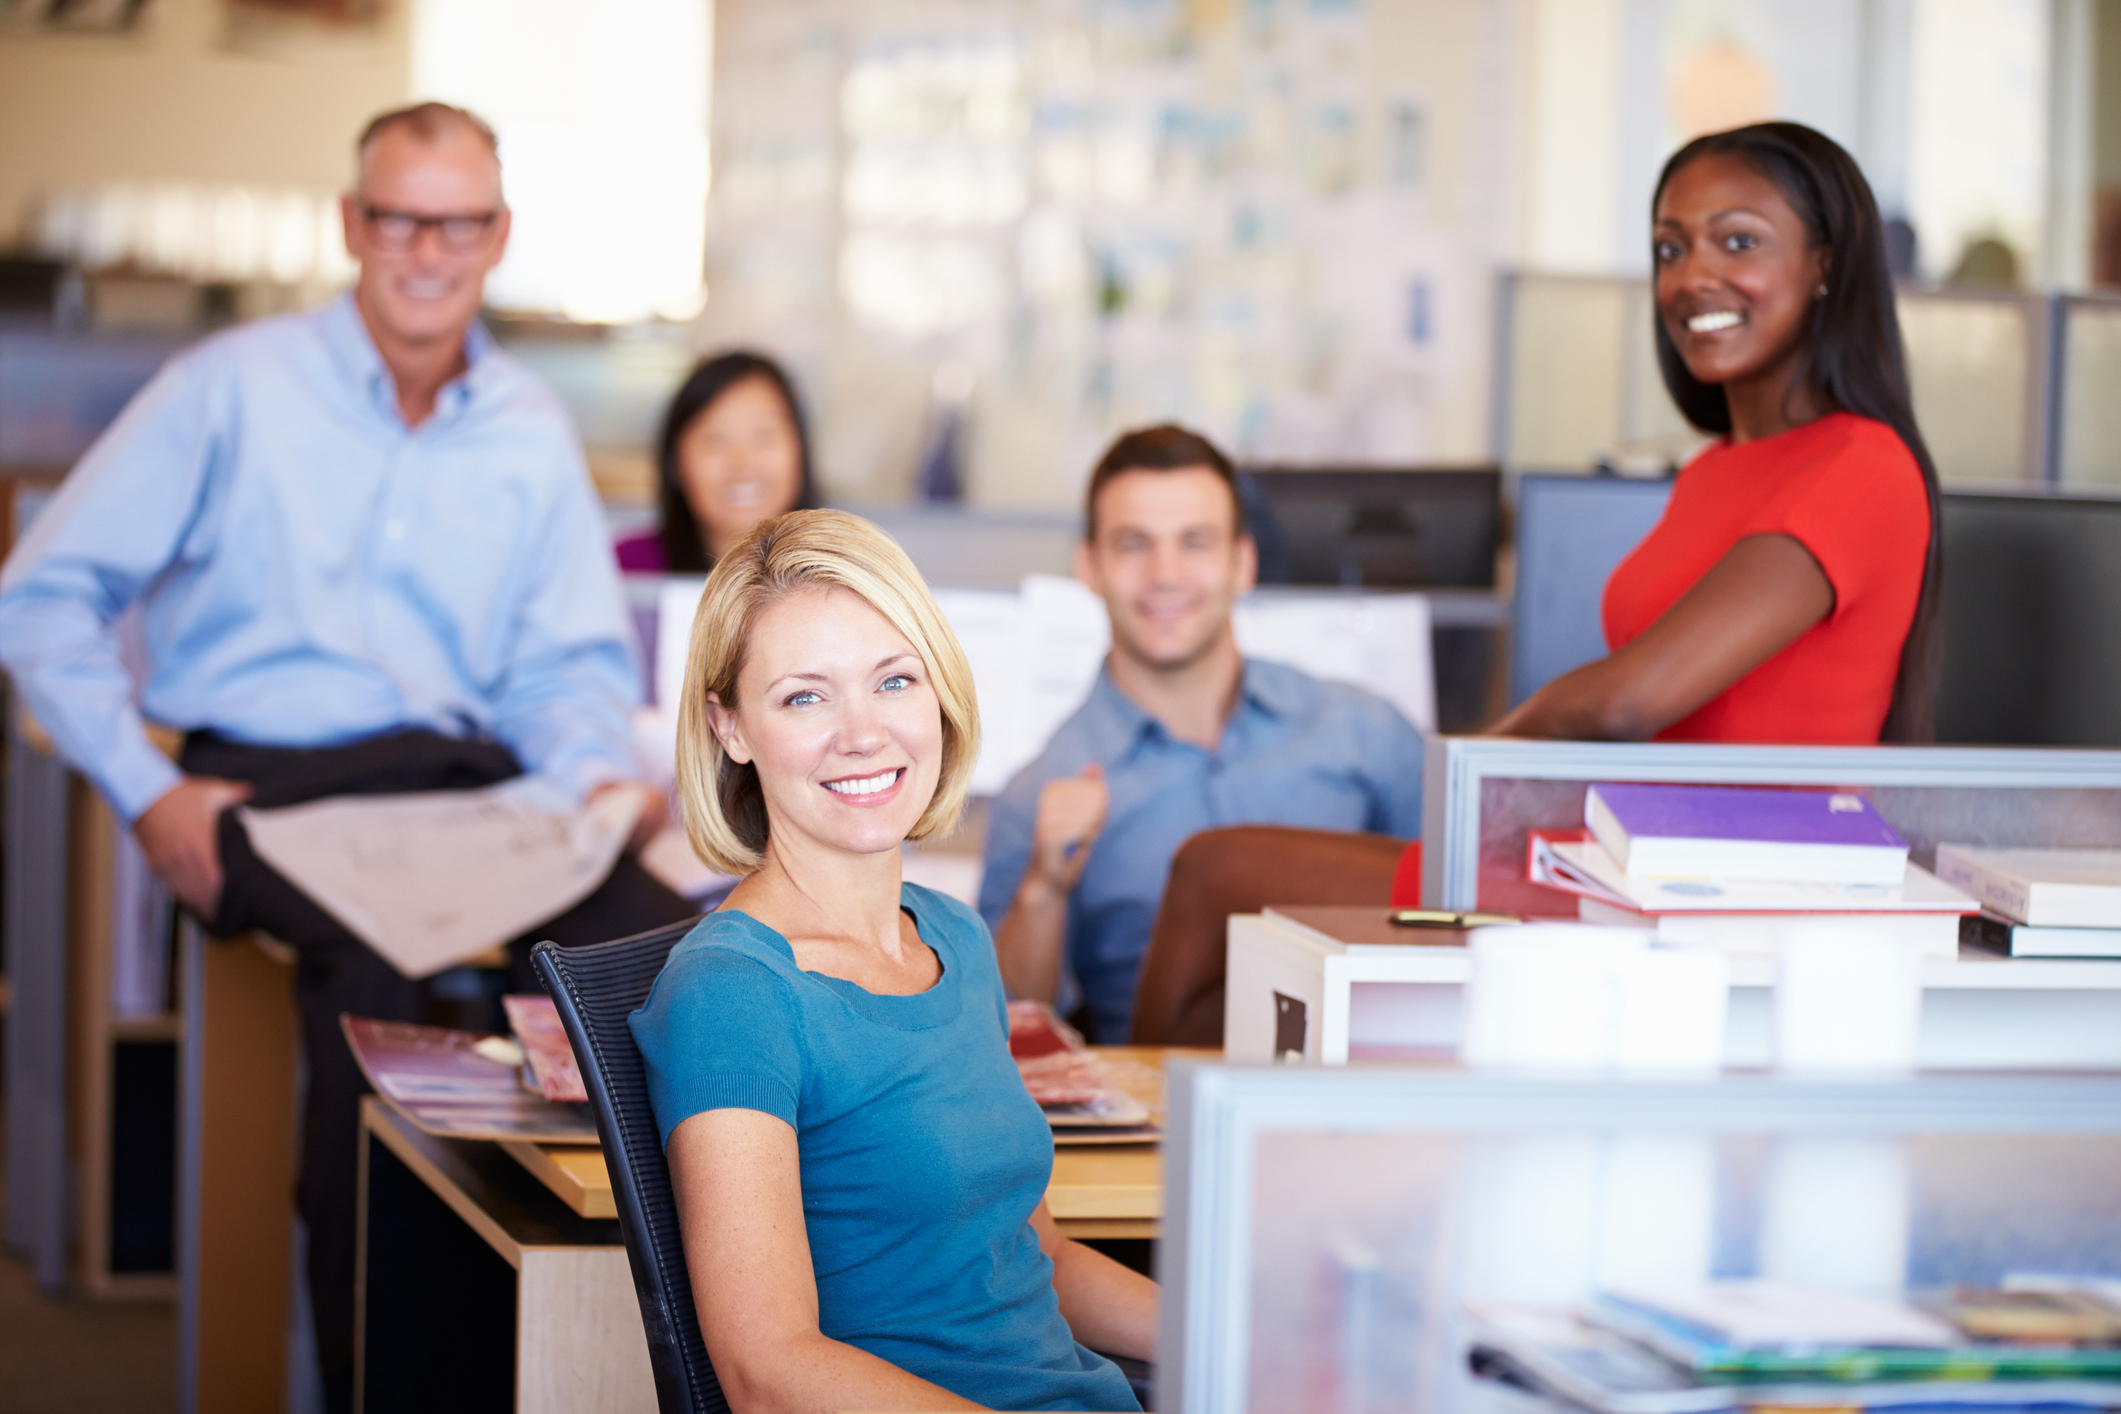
x=58, y=391
x=1571, y=532
x=2032, y=602
x=1327, y=1230
x=1481, y=796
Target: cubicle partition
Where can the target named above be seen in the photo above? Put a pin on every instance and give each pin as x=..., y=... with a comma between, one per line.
x=1342, y=1239
x=2032, y=602
x=1571, y=533
x=58, y=391
x=1483, y=796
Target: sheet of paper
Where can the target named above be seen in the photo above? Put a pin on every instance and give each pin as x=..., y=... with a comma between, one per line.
x=431, y=878
x=989, y=626
x=1378, y=642
x=675, y=606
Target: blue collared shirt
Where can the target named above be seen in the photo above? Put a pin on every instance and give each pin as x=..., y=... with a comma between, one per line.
x=308, y=571
x=1296, y=751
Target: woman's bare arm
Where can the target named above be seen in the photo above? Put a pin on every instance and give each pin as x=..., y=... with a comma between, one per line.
x=740, y=1203
x=1753, y=603
x=1108, y=1307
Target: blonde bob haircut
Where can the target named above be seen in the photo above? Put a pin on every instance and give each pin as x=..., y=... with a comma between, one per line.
x=725, y=809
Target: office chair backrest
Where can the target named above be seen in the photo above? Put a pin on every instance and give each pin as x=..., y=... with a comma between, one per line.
x=1178, y=999
x=595, y=988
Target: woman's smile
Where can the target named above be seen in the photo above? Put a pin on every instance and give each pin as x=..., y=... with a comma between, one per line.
x=871, y=790
x=1715, y=321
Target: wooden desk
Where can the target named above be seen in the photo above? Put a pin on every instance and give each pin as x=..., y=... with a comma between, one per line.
x=1098, y=1190
x=493, y=1276
x=1365, y=995
x=479, y=1290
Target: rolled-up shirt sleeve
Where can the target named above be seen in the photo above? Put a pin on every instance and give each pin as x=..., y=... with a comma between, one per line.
x=115, y=526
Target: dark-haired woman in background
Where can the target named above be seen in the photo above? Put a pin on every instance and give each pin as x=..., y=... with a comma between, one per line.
x=733, y=452
x=1790, y=592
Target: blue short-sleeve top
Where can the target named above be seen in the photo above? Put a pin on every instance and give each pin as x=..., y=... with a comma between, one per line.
x=922, y=1155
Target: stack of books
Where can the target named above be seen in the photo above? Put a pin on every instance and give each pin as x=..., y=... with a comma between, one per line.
x=2040, y=902
x=1734, y=867
x=1752, y=1344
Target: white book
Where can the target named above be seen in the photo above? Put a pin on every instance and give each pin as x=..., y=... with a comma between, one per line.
x=2048, y=888
x=1934, y=934
x=1585, y=868
x=1759, y=1314
x=2026, y=940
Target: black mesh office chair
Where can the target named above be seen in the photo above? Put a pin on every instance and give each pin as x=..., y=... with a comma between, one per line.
x=595, y=988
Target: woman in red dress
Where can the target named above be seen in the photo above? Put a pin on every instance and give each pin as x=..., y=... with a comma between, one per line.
x=1790, y=593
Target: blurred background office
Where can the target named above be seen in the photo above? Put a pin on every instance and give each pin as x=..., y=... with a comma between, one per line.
x=985, y=237
x=1014, y=229
x=1401, y=238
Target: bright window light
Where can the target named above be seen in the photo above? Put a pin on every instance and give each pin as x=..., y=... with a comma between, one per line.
x=602, y=115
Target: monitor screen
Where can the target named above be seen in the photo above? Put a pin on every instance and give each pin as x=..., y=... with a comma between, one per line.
x=1571, y=531
x=2032, y=620
x=2032, y=602
x=1379, y=528
x=59, y=391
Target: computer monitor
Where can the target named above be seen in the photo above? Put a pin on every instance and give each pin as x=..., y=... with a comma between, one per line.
x=1571, y=531
x=2032, y=620
x=1375, y=528
x=2032, y=602
x=59, y=391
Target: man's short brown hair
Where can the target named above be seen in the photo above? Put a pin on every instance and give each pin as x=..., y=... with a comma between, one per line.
x=1168, y=447
x=429, y=122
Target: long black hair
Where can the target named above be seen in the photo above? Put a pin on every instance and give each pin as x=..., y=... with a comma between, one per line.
x=683, y=548
x=1853, y=360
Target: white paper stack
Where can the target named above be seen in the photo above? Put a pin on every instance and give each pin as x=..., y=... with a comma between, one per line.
x=1748, y=915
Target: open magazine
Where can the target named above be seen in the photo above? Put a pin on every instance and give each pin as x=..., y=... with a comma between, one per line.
x=1076, y=1087
x=460, y=1084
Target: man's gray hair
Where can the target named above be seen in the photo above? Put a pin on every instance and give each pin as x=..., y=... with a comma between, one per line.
x=429, y=122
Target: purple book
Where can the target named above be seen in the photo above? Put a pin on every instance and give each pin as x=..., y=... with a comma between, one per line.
x=1732, y=832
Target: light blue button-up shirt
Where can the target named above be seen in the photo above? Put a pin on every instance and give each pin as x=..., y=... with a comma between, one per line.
x=309, y=571
x=1296, y=751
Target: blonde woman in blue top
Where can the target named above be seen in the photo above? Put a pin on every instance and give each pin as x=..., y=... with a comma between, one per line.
x=860, y=1173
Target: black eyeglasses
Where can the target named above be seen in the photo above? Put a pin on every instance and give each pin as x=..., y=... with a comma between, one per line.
x=398, y=231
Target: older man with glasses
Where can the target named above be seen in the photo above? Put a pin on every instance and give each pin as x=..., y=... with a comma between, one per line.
x=365, y=557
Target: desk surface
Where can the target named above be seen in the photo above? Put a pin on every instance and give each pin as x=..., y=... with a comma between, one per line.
x=496, y=1198
x=1098, y=1190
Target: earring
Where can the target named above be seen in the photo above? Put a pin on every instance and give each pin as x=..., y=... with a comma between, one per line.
x=1822, y=287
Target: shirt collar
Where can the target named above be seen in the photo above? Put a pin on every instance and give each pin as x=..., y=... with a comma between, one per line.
x=1270, y=691
x=1116, y=719
x=347, y=335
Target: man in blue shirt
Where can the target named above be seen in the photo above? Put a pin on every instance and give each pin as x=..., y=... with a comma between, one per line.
x=364, y=556
x=1180, y=734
